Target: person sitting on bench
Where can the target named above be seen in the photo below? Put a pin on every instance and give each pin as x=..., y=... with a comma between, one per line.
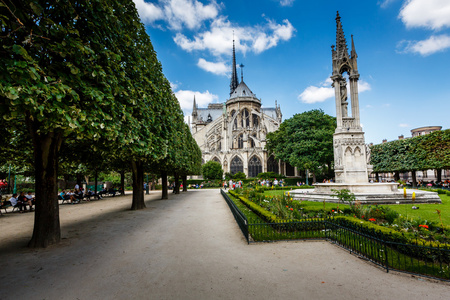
x=15, y=203
x=31, y=199
x=24, y=200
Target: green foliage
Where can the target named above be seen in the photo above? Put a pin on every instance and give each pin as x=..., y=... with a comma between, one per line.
x=239, y=176
x=305, y=141
x=270, y=175
x=228, y=176
x=431, y=151
x=212, y=170
x=344, y=195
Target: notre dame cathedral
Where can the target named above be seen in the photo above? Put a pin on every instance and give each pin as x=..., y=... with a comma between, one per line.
x=234, y=133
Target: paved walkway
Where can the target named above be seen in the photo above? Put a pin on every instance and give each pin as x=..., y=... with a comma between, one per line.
x=187, y=247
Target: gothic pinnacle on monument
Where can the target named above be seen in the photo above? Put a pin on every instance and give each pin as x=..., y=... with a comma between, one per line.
x=341, y=43
x=234, y=80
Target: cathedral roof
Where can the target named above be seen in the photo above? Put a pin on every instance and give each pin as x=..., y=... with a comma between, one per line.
x=242, y=90
x=204, y=113
x=270, y=111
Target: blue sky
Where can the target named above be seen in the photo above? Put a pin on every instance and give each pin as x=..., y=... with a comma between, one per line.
x=403, y=51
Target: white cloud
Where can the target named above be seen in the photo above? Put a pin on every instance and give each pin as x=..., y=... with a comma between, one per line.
x=218, y=68
x=433, y=44
x=313, y=94
x=177, y=13
x=286, y=2
x=173, y=85
x=218, y=39
x=186, y=98
x=432, y=14
x=385, y=3
x=363, y=86
x=403, y=125
x=148, y=12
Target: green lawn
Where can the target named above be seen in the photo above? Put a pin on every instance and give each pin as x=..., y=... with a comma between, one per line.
x=425, y=211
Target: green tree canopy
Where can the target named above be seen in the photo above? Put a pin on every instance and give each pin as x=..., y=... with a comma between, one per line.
x=305, y=141
x=212, y=170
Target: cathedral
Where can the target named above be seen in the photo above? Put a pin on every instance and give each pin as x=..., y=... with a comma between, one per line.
x=234, y=133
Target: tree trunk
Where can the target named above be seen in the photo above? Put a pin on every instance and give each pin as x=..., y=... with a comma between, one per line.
x=66, y=179
x=46, y=229
x=396, y=176
x=122, y=181
x=165, y=193
x=439, y=175
x=184, y=178
x=95, y=181
x=177, y=183
x=79, y=179
x=377, y=177
x=137, y=167
x=414, y=183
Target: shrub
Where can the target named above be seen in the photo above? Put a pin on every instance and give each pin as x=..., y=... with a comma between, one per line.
x=228, y=176
x=239, y=176
x=212, y=170
x=270, y=175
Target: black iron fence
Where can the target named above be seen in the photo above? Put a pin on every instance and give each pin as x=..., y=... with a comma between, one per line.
x=433, y=262
x=239, y=216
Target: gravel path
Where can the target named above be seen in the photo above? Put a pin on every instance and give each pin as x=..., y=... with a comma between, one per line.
x=187, y=247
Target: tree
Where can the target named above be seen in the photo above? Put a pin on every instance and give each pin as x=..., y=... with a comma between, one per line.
x=212, y=170
x=431, y=151
x=305, y=141
x=70, y=68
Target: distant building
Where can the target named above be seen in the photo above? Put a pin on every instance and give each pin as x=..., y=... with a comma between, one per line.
x=234, y=133
x=424, y=130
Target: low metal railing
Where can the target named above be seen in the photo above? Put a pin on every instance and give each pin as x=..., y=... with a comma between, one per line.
x=433, y=262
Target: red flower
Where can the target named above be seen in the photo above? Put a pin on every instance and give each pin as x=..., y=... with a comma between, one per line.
x=362, y=217
x=332, y=210
x=424, y=226
x=372, y=220
x=287, y=206
x=291, y=208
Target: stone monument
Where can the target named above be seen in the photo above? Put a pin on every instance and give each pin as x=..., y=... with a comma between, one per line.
x=351, y=155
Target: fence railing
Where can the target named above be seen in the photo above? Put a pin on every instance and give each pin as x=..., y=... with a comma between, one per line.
x=414, y=259
x=239, y=216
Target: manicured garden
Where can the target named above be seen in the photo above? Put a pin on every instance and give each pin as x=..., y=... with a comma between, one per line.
x=381, y=234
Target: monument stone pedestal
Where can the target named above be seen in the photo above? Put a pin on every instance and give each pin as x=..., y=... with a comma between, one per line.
x=365, y=193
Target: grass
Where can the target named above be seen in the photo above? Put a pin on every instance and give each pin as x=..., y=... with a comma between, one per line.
x=369, y=248
x=425, y=211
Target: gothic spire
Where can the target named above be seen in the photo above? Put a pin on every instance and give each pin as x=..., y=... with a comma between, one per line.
x=341, y=43
x=234, y=79
x=194, y=109
x=353, y=53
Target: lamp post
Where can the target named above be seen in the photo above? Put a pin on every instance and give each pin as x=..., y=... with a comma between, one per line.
x=15, y=188
x=147, y=187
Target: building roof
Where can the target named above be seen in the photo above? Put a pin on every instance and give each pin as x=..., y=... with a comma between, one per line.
x=270, y=111
x=202, y=113
x=242, y=91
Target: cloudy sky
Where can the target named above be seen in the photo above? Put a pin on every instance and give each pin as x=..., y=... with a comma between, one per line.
x=403, y=51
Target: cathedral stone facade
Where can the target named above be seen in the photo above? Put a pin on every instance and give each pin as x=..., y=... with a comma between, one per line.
x=234, y=133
